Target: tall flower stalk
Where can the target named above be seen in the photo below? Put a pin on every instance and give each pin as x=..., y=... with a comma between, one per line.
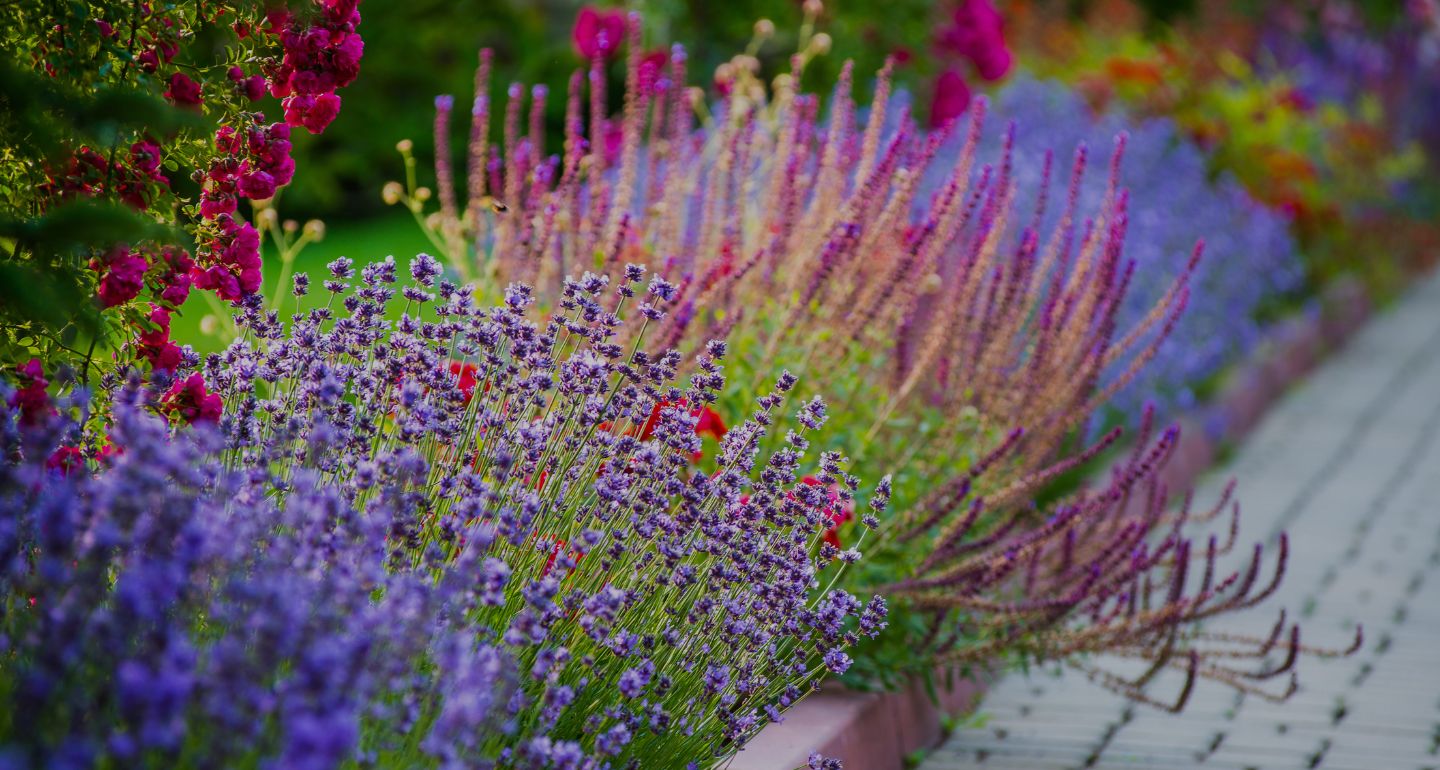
x=997, y=332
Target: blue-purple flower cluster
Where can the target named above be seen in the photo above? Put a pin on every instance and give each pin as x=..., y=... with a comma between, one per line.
x=1250, y=258
x=438, y=540
x=168, y=610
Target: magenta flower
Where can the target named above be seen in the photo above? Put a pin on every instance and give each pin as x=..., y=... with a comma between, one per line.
x=64, y=461
x=977, y=32
x=314, y=113
x=253, y=86
x=994, y=62
x=145, y=158
x=31, y=399
x=318, y=59
x=155, y=345
x=652, y=71
x=614, y=142
x=191, y=401
x=345, y=58
x=183, y=91
x=175, y=275
x=340, y=10
x=598, y=33
x=952, y=96
x=232, y=268
x=123, y=276
x=257, y=185
x=213, y=205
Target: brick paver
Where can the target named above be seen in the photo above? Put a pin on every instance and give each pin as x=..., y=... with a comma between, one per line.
x=1349, y=465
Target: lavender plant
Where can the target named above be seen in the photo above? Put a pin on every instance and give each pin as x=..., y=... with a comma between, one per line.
x=478, y=482
x=166, y=610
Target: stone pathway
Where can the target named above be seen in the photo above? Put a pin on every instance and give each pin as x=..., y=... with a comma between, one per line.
x=1349, y=464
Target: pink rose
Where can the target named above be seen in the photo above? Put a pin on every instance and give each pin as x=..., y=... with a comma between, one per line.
x=124, y=277
x=257, y=185
x=183, y=91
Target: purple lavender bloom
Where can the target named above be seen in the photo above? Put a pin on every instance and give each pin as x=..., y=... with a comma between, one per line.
x=306, y=632
x=837, y=661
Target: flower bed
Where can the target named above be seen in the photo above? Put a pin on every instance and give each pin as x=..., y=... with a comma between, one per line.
x=555, y=499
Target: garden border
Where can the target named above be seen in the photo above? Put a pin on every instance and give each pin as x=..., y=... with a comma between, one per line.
x=878, y=730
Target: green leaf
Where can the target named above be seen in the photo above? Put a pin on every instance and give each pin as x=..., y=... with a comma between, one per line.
x=86, y=224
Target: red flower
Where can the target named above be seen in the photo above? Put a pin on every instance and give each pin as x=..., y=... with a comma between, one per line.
x=838, y=514
x=30, y=398
x=109, y=452
x=555, y=549
x=598, y=34
x=190, y=401
x=65, y=460
x=183, y=90
x=468, y=377
x=952, y=96
x=710, y=423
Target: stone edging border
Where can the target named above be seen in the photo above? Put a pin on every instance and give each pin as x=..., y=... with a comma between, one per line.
x=878, y=730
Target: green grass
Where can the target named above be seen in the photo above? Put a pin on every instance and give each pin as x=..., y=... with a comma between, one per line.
x=364, y=241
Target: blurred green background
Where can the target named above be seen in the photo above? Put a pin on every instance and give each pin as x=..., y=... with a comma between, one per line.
x=417, y=49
